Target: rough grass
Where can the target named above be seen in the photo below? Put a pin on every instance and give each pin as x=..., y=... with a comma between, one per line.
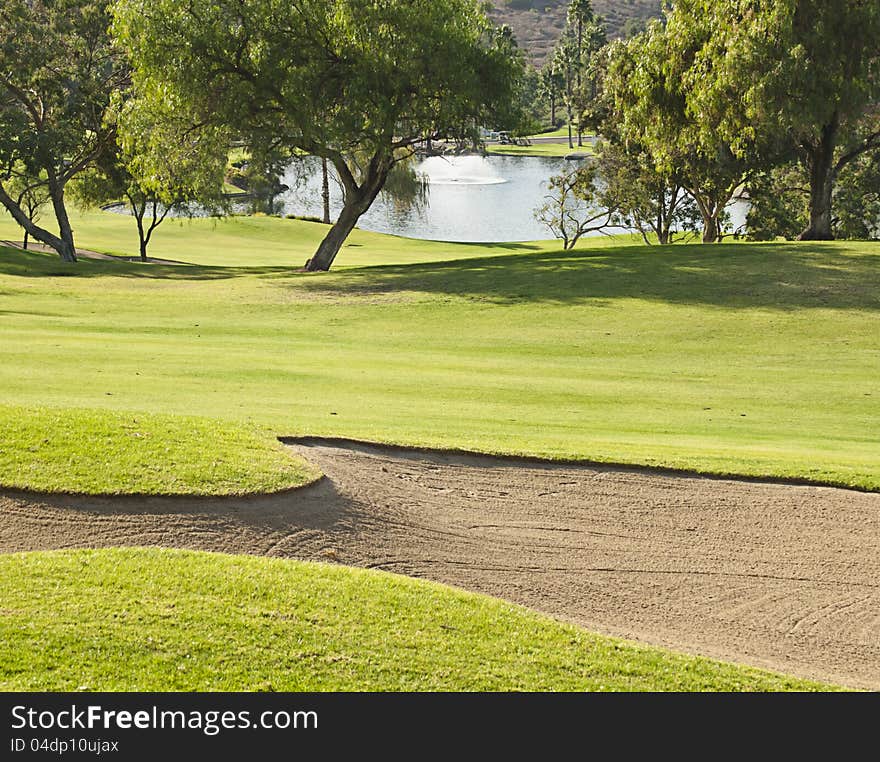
x=150, y=619
x=104, y=452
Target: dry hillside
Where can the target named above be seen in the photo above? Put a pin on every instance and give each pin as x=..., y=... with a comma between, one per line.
x=537, y=24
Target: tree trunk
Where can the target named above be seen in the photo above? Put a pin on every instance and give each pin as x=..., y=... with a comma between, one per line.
x=711, y=234
x=332, y=243
x=570, y=142
x=138, y=214
x=568, y=104
x=820, y=160
x=62, y=247
x=819, y=228
x=358, y=198
x=24, y=244
x=709, y=211
x=325, y=188
x=662, y=222
x=553, y=110
x=56, y=193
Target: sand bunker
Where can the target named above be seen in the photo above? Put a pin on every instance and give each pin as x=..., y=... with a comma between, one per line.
x=778, y=576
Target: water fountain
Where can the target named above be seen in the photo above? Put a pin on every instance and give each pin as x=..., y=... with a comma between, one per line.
x=460, y=170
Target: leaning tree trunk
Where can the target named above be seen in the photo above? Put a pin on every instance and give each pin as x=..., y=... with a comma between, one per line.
x=68, y=250
x=820, y=160
x=358, y=198
x=64, y=248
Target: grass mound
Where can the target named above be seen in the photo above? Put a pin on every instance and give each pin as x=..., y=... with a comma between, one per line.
x=156, y=620
x=105, y=452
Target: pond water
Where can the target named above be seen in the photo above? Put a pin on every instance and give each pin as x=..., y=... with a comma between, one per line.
x=470, y=198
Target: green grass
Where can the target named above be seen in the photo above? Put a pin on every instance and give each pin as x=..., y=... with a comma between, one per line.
x=104, y=452
x=736, y=359
x=256, y=241
x=562, y=132
x=538, y=149
x=151, y=619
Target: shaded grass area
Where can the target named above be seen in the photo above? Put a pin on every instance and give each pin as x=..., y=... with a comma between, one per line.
x=748, y=359
x=103, y=452
x=150, y=619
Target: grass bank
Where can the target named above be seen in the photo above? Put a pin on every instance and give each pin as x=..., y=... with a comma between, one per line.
x=109, y=452
x=150, y=619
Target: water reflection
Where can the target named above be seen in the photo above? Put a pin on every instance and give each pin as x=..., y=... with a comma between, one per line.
x=470, y=198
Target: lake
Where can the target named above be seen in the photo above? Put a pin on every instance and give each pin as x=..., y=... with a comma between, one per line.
x=470, y=198
x=486, y=199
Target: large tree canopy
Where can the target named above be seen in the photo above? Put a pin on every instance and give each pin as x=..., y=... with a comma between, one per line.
x=803, y=74
x=646, y=109
x=357, y=82
x=58, y=71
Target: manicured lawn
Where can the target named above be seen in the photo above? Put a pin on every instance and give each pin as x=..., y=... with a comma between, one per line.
x=151, y=619
x=107, y=452
x=538, y=149
x=259, y=241
x=562, y=132
x=733, y=359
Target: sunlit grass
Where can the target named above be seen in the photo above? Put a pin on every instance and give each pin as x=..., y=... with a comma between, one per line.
x=160, y=620
x=734, y=359
x=105, y=452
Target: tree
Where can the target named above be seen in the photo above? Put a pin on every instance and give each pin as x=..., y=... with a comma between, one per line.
x=648, y=86
x=780, y=201
x=803, y=72
x=157, y=167
x=564, y=62
x=650, y=201
x=338, y=80
x=573, y=61
x=31, y=196
x=550, y=87
x=857, y=199
x=150, y=201
x=572, y=207
x=588, y=34
x=58, y=70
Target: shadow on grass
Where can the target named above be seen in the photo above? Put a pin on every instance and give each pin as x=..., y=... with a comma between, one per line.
x=779, y=276
x=33, y=264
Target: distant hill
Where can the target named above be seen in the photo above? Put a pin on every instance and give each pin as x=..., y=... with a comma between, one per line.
x=537, y=24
